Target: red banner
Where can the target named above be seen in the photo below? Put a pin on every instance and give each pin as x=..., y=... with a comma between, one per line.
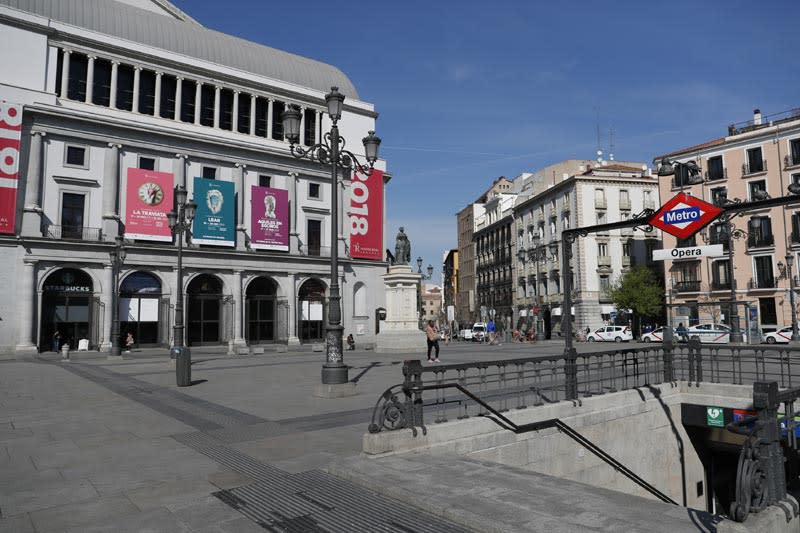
x=10, y=131
x=366, y=215
x=148, y=199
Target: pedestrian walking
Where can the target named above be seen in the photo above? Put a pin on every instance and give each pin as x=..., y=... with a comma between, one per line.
x=56, y=341
x=129, y=342
x=491, y=330
x=433, y=341
x=351, y=342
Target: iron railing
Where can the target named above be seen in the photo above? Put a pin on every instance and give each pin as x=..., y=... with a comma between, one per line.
x=687, y=286
x=791, y=160
x=760, y=241
x=717, y=174
x=315, y=251
x=754, y=168
x=78, y=233
x=761, y=283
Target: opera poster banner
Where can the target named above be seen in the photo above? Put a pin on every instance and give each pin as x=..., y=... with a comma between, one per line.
x=366, y=215
x=269, y=218
x=215, y=221
x=10, y=130
x=148, y=199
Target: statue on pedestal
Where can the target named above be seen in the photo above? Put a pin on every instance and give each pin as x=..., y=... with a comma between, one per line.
x=402, y=248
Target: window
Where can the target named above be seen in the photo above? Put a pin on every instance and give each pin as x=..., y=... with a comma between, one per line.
x=264, y=180
x=313, y=190
x=795, y=236
x=763, y=267
x=600, y=198
x=101, y=84
x=243, y=125
x=794, y=152
x=688, y=241
x=757, y=189
x=226, y=109
x=648, y=200
x=310, y=126
x=72, y=207
x=277, y=124
x=124, y=87
x=261, y=116
x=605, y=283
x=718, y=234
x=565, y=222
x=147, y=163
x=552, y=228
x=75, y=156
x=715, y=170
x=314, y=230
x=755, y=163
x=147, y=92
x=602, y=249
x=719, y=195
x=719, y=275
x=207, y=105
x=766, y=308
x=624, y=199
x=188, y=89
x=76, y=88
x=209, y=173
x=626, y=249
x=759, y=231
x=169, y=85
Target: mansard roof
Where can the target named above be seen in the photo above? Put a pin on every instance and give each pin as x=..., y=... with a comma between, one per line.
x=187, y=38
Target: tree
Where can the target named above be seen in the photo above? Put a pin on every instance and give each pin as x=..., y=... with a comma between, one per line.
x=638, y=290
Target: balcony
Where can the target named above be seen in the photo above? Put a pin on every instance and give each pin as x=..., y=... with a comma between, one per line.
x=600, y=203
x=687, y=286
x=717, y=174
x=604, y=260
x=760, y=241
x=625, y=204
x=72, y=233
x=626, y=232
x=795, y=236
x=754, y=168
x=604, y=296
x=791, y=160
x=720, y=237
x=315, y=251
x=626, y=261
x=720, y=285
x=761, y=283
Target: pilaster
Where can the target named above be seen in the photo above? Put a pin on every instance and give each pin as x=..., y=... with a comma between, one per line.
x=294, y=233
x=239, y=173
x=111, y=219
x=107, y=299
x=293, y=339
x=238, y=299
x=32, y=212
x=26, y=318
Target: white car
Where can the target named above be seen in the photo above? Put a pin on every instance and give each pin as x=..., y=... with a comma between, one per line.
x=710, y=333
x=784, y=335
x=465, y=334
x=478, y=331
x=610, y=334
x=657, y=335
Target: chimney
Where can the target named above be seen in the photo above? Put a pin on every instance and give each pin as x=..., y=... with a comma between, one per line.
x=756, y=117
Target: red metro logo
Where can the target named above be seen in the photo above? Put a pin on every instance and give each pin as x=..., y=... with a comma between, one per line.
x=684, y=215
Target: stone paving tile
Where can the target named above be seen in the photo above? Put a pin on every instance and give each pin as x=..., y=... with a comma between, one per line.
x=43, y=493
x=17, y=524
x=172, y=495
x=110, y=438
x=8, y=432
x=238, y=525
x=205, y=512
x=155, y=521
x=83, y=514
x=228, y=479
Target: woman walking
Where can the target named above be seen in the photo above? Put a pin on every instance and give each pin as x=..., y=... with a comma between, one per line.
x=433, y=341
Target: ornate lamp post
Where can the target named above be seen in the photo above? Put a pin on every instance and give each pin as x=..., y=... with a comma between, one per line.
x=331, y=152
x=422, y=277
x=117, y=258
x=179, y=223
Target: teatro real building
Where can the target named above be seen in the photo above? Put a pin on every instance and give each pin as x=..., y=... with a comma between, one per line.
x=105, y=108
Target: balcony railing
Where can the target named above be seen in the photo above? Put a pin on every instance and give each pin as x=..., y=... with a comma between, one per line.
x=687, y=286
x=761, y=283
x=626, y=260
x=315, y=251
x=760, y=241
x=795, y=236
x=600, y=203
x=791, y=160
x=720, y=238
x=720, y=285
x=604, y=260
x=755, y=168
x=717, y=174
x=625, y=203
x=76, y=233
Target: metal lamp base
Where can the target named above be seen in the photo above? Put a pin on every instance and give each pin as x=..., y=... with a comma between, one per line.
x=334, y=374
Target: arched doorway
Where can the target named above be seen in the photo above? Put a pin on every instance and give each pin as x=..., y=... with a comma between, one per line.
x=311, y=311
x=260, y=310
x=139, y=308
x=203, y=310
x=67, y=307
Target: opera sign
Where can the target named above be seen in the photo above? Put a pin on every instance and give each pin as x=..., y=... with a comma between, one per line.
x=684, y=215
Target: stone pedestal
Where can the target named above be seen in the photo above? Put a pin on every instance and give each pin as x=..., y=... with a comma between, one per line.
x=400, y=331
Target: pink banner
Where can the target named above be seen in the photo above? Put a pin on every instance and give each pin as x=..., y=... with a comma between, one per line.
x=10, y=130
x=366, y=215
x=149, y=197
x=269, y=218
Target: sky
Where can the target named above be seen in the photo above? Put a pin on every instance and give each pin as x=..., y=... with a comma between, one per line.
x=469, y=91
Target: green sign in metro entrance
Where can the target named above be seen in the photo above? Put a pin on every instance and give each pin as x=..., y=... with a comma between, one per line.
x=715, y=416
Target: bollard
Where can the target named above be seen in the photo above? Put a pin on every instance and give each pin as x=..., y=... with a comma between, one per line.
x=183, y=365
x=65, y=352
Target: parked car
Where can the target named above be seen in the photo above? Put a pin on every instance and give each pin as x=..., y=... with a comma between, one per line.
x=710, y=333
x=610, y=334
x=657, y=335
x=478, y=331
x=783, y=335
x=465, y=334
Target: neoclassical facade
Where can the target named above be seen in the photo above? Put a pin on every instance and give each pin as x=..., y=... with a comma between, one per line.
x=140, y=85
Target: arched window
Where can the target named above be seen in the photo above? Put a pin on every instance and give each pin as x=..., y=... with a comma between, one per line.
x=360, y=300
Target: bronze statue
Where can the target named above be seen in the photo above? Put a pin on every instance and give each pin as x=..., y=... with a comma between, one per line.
x=402, y=249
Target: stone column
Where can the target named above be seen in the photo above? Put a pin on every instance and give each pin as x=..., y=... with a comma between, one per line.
x=112, y=103
x=238, y=299
x=239, y=182
x=111, y=219
x=291, y=298
x=270, y=111
x=302, y=125
x=90, y=78
x=108, y=299
x=32, y=212
x=217, y=91
x=137, y=76
x=198, y=100
x=294, y=232
x=65, y=73
x=253, y=115
x=157, y=98
x=235, y=113
x=178, y=95
x=26, y=310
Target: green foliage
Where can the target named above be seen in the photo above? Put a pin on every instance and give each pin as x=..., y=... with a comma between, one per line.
x=637, y=289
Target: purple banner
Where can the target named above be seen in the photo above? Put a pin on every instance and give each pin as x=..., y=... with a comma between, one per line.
x=269, y=218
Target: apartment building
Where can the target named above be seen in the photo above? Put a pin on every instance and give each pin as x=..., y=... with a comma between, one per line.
x=757, y=159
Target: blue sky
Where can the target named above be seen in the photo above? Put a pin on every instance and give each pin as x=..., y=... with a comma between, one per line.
x=468, y=91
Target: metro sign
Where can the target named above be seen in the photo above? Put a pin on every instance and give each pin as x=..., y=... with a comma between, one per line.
x=684, y=215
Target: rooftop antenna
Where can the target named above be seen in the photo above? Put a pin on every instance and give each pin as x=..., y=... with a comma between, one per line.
x=611, y=144
x=597, y=127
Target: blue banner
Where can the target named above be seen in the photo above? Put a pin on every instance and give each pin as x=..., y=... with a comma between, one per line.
x=215, y=221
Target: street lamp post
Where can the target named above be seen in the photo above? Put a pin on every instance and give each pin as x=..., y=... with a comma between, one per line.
x=117, y=258
x=422, y=277
x=789, y=263
x=331, y=152
x=179, y=223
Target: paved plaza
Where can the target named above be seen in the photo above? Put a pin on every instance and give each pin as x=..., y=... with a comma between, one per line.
x=98, y=445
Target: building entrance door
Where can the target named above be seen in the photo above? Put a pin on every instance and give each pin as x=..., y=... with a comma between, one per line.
x=140, y=308
x=67, y=308
x=261, y=311
x=311, y=311
x=204, y=306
